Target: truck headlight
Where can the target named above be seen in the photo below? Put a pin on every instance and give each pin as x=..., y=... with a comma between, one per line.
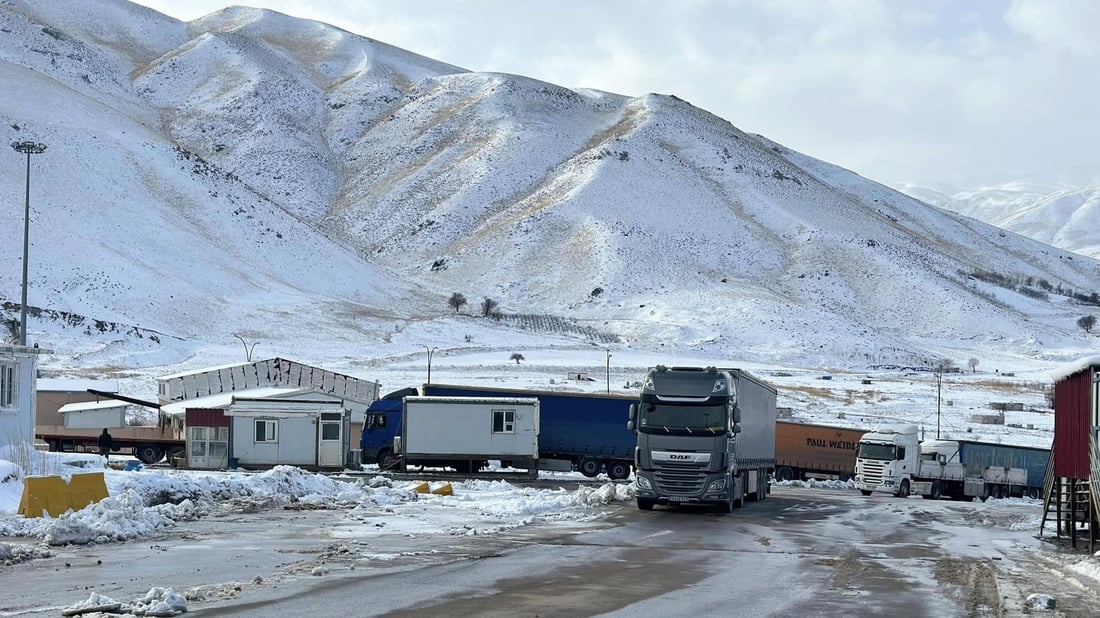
x=718, y=485
x=643, y=482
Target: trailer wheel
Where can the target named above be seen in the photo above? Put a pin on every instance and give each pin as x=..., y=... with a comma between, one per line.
x=148, y=453
x=618, y=470
x=1033, y=493
x=645, y=505
x=589, y=467
x=937, y=491
x=995, y=492
x=784, y=474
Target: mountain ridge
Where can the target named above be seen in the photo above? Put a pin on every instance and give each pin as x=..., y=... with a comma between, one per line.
x=264, y=174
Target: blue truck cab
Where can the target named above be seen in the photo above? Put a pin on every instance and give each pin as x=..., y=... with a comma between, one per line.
x=381, y=425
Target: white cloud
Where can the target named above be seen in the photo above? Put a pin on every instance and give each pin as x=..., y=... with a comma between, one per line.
x=1062, y=25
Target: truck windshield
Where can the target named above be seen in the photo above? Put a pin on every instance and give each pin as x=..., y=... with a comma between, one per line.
x=876, y=451
x=682, y=419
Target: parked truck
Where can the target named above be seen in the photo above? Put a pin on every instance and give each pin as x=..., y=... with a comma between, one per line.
x=805, y=450
x=894, y=460
x=71, y=420
x=585, y=431
x=471, y=430
x=704, y=436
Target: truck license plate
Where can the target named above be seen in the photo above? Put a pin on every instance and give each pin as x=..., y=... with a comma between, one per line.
x=678, y=499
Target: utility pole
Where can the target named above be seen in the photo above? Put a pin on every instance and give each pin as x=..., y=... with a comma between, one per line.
x=939, y=393
x=27, y=148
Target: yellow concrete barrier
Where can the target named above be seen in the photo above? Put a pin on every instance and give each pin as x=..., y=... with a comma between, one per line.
x=443, y=490
x=422, y=488
x=51, y=494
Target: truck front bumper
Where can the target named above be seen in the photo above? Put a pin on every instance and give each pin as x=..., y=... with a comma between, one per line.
x=715, y=490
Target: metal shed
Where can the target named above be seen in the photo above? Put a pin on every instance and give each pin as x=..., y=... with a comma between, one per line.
x=1072, y=487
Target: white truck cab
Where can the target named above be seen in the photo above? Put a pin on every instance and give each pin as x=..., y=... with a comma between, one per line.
x=887, y=460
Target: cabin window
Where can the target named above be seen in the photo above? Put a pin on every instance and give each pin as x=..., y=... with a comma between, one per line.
x=267, y=430
x=7, y=387
x=504, y=421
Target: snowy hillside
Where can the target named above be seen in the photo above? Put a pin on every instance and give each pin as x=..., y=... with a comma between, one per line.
x=322, y=193
x=1064, y=217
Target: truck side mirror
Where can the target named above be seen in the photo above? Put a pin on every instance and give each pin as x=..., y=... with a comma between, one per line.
x=633, y=412
x=630, y=425
x=736, y=428
x=943, y=459
x=735, y=413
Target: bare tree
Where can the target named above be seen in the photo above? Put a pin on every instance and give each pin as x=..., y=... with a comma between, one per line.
x=973, y=363
x=457, y=301
x=1087, y=322
x=516, y=356
x=488, y=306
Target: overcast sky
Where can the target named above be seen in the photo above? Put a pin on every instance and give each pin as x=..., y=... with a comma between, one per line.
x=928, y=91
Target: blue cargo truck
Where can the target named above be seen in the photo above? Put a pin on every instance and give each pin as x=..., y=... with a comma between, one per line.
x=585, y=431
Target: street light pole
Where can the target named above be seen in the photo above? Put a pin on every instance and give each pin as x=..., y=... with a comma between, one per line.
x=430, y=352
x=27, y=148
x=608, y=370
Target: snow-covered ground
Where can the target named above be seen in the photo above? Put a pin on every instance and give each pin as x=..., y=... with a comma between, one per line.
x=145, y=502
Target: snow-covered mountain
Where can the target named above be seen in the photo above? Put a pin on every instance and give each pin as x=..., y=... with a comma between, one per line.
x=255, y=175
x=1064, y=217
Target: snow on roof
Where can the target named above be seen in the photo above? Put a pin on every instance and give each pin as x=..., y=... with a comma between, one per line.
x=85, y=406
x=223, y=400
x=73, y=385
x=1065, y=371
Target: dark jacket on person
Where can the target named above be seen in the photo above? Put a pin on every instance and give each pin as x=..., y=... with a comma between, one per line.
x=104, y=440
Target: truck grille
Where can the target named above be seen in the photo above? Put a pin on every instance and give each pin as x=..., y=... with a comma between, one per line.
x=873, y=472
x=680, y=479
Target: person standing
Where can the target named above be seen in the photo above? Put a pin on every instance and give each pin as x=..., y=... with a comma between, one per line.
x=105, y=443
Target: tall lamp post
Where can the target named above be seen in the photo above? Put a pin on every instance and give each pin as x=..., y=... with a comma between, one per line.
x=608, y=370
x=430, y=352
x=27, y=148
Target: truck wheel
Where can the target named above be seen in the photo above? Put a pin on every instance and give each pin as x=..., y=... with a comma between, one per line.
x=385, y=459
x=148, y=454
x=645, y=505
x=996, y=492
x=728, y=505
x=618, y=470
x=937, y=491
x=865, y=492
x=784, y=474
x=174, y=453
x=903, y=489
x=589, y=467
x=1033, y=493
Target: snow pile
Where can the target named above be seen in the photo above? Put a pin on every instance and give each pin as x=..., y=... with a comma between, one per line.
x=157, y=602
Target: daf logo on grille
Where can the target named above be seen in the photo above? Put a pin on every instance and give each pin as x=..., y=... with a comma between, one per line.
x=678, y=456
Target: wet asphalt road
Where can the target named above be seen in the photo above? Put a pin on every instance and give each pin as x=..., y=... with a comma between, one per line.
x=800, y=552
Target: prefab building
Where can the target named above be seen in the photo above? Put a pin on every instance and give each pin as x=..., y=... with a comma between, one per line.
x=308, y=433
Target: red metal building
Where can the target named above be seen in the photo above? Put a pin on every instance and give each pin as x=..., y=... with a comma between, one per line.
x=1073, y=480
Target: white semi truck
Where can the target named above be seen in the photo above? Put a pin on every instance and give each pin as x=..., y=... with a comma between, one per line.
x=705, y=436
x=894, y=460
